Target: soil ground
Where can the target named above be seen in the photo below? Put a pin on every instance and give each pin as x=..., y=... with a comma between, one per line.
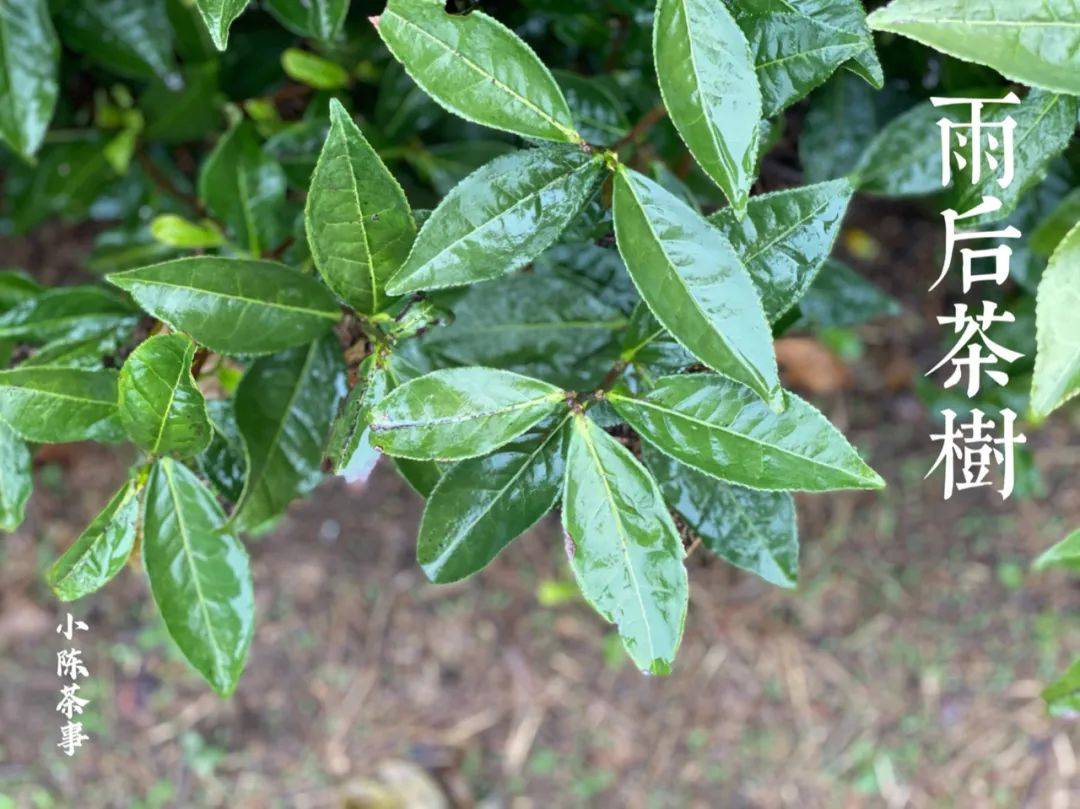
x=904, y=671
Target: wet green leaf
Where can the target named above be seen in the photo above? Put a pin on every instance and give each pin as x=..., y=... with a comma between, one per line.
x=101, y=550
x=160, y=406
x=233, y=306
x=1036, y=42
x=313, y=70
x=16, y=481
x=476, y=68
x=422, y=476
x=223, y=462
x=131, y=37
x=1057, y=360
x=717, y=427
x=623, y=546
x=16, y=287
x=245, y=188
x=706, y=75
x=218, y=16
x=840, y=297
x=29, y=68
x=1045, y=123
x=754, y=530
x=902, y=160
x=199, y=575
x=350, y=448
x=692, y=279
x=460, y=413
x=499, y=218
x=285, y=405
x=599, y=115
x=1063, y=695
x=797, y=44
x=785, y=238
x=541, y=326
x=840, y=123
x=481, y=504
x=176, y=231
x=69, y=313
x=56, y=404
x=359, y=224
x=321, y=19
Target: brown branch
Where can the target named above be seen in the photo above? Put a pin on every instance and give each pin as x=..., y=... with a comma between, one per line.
x=165, y=183
x=281, y=248
x=644, y=124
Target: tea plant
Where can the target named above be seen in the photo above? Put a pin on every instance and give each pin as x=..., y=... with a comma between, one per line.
x=331, y=238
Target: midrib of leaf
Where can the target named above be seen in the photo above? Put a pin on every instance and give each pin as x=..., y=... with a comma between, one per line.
x=5, y=52
x=172, y=398
x=697, y=306
x=713, y=134
x=485, y=414
x=54, y=394
x=999, y=23
x=253, y=481
x=562, y=177
x=793, y=226
x=621, y=531
x=856, y=47
x=752, y=527
x=354, y=186
x=601, y=325
x=190, y=559
x=245, y=209
x=573, y=135
x=53, y=322
x=675, y=414
x=490, y=504
x=234, y=297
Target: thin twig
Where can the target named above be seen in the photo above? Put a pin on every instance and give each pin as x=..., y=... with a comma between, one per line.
x=644, y=124
x=165, y=183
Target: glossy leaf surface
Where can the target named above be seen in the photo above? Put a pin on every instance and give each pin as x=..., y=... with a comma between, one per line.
x=321, y=19
x=359, y=224
x=245, y=188
x=160, y=406
x=623, y=546
x=692, y=279
x=841, y=297
x=476, y=68
x=481, y=504
x=1044, y=124
x=706, y=76
x=753, y=530
x=218, y=16
x=16, y=481
x=233, y=306
x=719, y=428
x=499, y=218
x=1036, y=42
x=785, y=238
x=285, y=405
x=798, y=44
x=55, y=404
x=29, y=67
x=460, y=413
x=350, y=448
x=1057, y=360
x=199, y=575
x=131, y=37
x=70, y=313
x=101, y=550
x=542, y=326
